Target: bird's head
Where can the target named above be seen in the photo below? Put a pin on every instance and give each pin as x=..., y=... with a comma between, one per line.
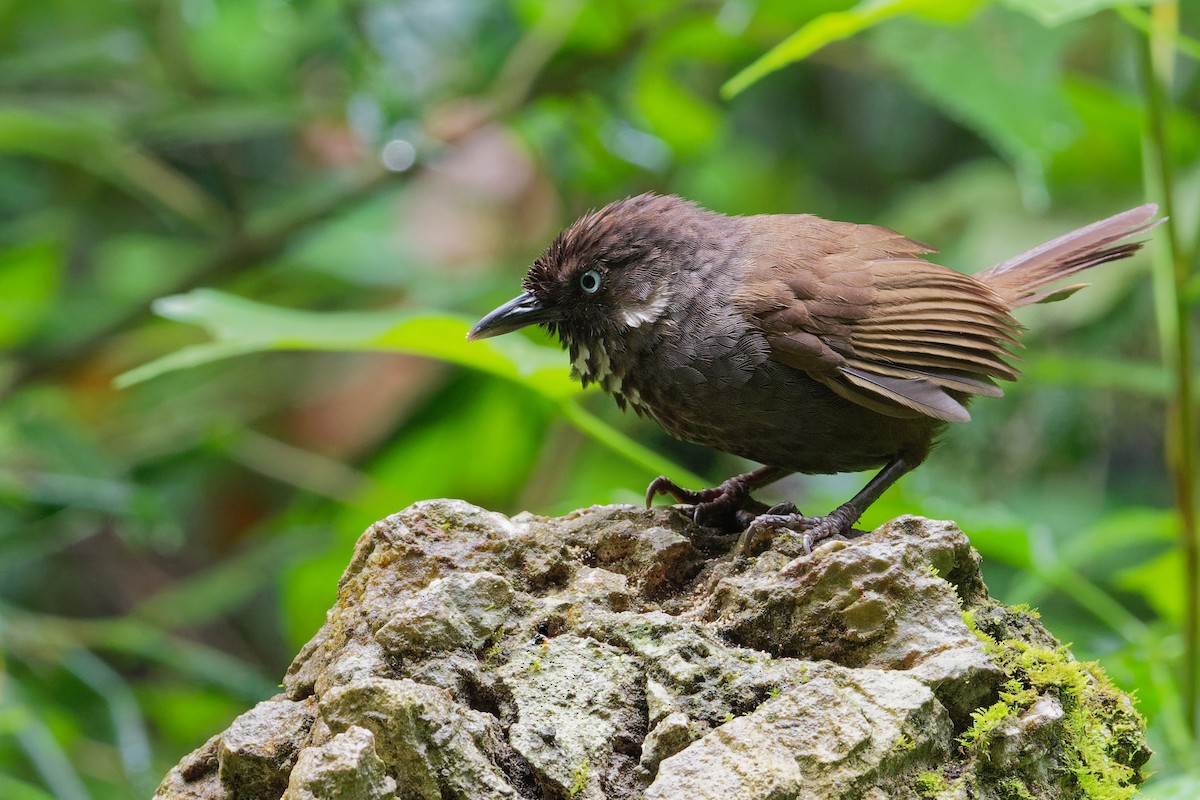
x=608, y=273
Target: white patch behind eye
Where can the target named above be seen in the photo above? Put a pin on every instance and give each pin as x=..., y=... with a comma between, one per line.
x=650, y=311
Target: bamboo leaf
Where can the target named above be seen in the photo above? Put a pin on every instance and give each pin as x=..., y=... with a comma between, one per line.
x=1060, y=12
x=29, y=280
x=240, y=326
x=1001, y=76
x=838, y=25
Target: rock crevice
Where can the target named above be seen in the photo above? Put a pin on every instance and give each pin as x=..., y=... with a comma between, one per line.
x=625, y=653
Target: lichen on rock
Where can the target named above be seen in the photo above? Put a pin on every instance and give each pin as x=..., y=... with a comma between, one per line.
x=626, y=653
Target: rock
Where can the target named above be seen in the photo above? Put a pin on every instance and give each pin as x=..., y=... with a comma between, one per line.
x=883, y=600
x=837, y=735
x=625, y=653
x=256, y=755
x=580, y=711
x=195, y=777
x=456, y=612
x=668, y=736
x=433, y=747
x=346, y=766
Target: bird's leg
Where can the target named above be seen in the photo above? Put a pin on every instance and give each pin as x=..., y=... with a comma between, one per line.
x=839, y=522
x=719, y=504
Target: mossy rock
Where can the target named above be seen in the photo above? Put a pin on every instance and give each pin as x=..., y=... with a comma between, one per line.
x=625, y=653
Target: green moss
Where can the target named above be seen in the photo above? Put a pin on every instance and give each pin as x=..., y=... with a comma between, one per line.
x=493, y=652
x=748, y=656
x=984, y=721
x=931, y=784
x=1025, y=609
x=580, y=778
x=968, y=618
x=1013, y=789
x=1103, y=745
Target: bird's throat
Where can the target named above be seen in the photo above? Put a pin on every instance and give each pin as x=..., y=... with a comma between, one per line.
x=590, y=363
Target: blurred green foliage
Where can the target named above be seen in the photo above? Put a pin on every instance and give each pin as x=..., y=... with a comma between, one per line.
x=364, y=177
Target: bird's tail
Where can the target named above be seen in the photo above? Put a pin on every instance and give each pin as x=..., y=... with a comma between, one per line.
x=1019, y=279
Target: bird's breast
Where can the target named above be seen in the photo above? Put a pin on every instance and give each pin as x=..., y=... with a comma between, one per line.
x=710, y=380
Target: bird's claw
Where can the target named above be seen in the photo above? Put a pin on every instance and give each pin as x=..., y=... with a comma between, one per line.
x=664, y=485
x=716, y=507
x=826, y=528
x=812, y=530
x=784, y=515
x=730, y=506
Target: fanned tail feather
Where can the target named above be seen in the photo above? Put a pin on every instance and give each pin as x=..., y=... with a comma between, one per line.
x=1018, y=279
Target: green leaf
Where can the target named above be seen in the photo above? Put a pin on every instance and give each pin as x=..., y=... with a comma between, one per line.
x=1000, y=75
x=837, y=25
x=251, y=47
x=94, y=147
x=29, y=279
x=1141, y=21
x=41, y=748
x=220, y=120
x=1121, y=528
x=1059, y=12
x=1160, y=582
x=1164, y=786
x=1110, y=374
x=240, y=326
x=674, y=102
x=19, y=790
x=205, y=710
x=131, y=738
x=682, y=119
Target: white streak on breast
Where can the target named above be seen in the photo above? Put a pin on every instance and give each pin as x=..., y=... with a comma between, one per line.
x=581, y=360
x=603, y=367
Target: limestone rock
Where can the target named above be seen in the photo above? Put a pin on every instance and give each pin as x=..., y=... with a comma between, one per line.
x=625, y=653
x=434, y=748
x=346, y=766
x=836, y=735
x=257, y=753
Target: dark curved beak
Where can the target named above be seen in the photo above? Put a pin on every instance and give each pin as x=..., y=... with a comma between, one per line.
x=522, y=310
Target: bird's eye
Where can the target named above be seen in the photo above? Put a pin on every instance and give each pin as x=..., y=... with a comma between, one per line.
x=590, y=281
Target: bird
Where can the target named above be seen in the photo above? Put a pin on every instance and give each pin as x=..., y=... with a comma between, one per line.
x=804, y=344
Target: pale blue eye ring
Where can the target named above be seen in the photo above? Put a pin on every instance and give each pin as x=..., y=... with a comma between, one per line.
x=590, y=281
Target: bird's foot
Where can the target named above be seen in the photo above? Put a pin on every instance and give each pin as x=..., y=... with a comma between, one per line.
x=761, y=530
x=718, y=507
x=813, y=530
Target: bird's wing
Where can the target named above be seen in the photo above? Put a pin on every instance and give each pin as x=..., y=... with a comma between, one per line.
x=857, y=309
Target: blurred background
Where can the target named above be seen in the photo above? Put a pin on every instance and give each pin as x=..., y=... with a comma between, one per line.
x=241, y=242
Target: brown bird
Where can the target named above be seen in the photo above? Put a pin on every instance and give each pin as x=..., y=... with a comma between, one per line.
x=804, y=344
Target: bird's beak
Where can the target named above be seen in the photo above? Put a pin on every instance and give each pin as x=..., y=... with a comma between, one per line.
x=522, y=310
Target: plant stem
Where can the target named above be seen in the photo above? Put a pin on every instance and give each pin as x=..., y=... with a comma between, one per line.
x=1171, y=281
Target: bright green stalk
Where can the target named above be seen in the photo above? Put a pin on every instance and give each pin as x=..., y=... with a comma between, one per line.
x=1171, y=277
